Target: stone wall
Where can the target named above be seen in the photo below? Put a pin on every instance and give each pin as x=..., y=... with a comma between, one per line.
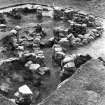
x=92, y=6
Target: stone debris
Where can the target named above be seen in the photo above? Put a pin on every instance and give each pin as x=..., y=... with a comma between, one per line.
x=70, y=64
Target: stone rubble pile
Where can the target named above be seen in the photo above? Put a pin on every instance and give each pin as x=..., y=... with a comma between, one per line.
x=68, y=63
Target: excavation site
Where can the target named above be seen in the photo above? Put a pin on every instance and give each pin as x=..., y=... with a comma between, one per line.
x=52, y=52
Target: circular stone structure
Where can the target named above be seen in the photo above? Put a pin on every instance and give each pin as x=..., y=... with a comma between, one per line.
x=28, y=36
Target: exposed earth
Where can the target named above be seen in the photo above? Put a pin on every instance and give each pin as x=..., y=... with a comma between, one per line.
x=84, y=75
x=86, y=86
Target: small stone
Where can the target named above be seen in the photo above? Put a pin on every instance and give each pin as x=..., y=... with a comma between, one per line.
x=28, y=63
x=34, y=67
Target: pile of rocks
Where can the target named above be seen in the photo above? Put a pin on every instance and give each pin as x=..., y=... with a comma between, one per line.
x=75, y=36
x=14, y=14
x=18, y=43
x=68, y=63
x=83, y=28
x=35, y=62
x=2, y=19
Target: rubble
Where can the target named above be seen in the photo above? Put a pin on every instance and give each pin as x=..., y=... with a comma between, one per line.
x=58, y=13
x=25, y=90
x=70, y=64
x=2, y=19
x=14, y=14
x=39, y=14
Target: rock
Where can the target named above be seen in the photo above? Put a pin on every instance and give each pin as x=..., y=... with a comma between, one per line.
x=64, y=42
x=58, y=14
x=85, y=41
x=28, y=63
x=25, y=90
x=99, y=28
x=80, y=36
x=58, y=56
x=13, y=32
x=48, y=43
x=68, y=14
x=3, y=26
x=20, y=48
x=68, y=70
x=34, y=67
x=40, y=59
x=69, y=65
x=57, y=48
x=44, y=70
x=64, y=75
x=91, y=38
x=39, y=14
x=5, y=101
x=39, y=52
x=17, y=77
x=91, y=18
x=81, y=59
x=5, y=87
x=37, y=40
x=24, y=95
x=68, y=58
x=18, y=28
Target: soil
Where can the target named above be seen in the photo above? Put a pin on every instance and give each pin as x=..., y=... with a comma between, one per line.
x=85, y=87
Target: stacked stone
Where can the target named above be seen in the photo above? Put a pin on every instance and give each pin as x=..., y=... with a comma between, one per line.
x=82, y=30
x=70, y=63
x=35, y=62
x=14, y=14
x=58, y=54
